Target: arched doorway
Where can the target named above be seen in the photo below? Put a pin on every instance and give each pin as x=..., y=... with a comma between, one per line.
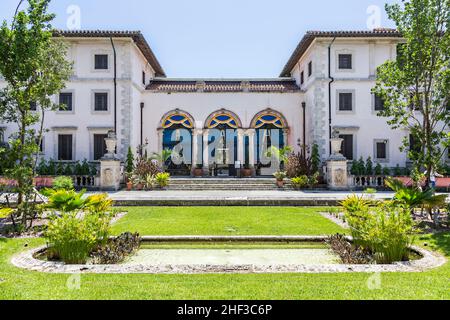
x=271, y=131
x=222, y=152
x=177, y=129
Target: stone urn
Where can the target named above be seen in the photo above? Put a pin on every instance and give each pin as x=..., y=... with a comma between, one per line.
x=111, y=144
x=336, y=146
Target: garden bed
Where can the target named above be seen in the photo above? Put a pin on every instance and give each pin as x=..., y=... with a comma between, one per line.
x=298, y=246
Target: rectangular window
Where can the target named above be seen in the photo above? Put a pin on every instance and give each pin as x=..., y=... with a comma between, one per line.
x=379, y=103
x=65, y=147
x=65, y=100
x=302, y=77
x=101, y=62
x=345, y=101
x=345, y=61
x=310, y=69
x=347, y=146
x=414, y=144
x=101, y=101
x=381, y=150
x=33, y=106
x=99, y=146
x=41, y=144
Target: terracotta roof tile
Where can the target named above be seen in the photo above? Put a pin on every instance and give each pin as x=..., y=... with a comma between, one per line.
x=309, y=37
x=271, y=85
x=137, y=37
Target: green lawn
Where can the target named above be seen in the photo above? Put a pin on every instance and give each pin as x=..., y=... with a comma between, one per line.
x=21, y=284
x=226, y=221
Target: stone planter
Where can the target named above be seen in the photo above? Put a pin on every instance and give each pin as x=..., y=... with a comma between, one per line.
x=198, y=172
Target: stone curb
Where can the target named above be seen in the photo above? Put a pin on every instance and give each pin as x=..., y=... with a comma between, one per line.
x=27, y=261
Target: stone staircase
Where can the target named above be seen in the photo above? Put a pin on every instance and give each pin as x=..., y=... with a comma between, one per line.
x=245, y=184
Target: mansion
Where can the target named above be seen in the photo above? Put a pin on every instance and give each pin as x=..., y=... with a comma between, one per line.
x=222, y=124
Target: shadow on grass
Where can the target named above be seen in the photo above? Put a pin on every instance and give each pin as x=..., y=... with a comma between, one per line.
x=439, y=241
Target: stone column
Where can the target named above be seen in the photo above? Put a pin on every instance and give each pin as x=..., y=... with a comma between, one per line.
x=195, y=148
x=160, y=140
x=251, y=149
x=240, y=146
x=205, y=152
x=337, y=178
x=110, y=165
x=286, y=137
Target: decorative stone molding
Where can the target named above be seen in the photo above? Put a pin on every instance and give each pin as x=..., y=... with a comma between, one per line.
x=27, y=261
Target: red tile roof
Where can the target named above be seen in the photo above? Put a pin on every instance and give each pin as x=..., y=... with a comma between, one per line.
x=137, y=37
x=310, y=36
x=270, y=85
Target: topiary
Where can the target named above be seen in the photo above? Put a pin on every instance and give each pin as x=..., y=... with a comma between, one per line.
x=369, y=166
x=386, y=171
x=315, y=158
x=361, y=166
x=129, y=164
x=378, y=170
x=62, y=183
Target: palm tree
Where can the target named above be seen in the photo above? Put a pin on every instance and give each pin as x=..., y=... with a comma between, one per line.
x=414, y=197
x=162, y=157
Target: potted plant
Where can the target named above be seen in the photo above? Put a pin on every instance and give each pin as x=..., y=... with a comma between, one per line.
x=130, y=182
x=246, y=171
x=162, y=179
x=138, y=182
x=150, y=181
x=198, y=171
x=280, y=176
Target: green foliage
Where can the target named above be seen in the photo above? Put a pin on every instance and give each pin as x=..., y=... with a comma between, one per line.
x=162, y=179
x=129, y=164
x=397, y=171
x=116, y=249
x=386, y=171
x=280, y=175
x=315, y=158
x=353, y=204
x=297, y=164
x=78, y=224
x=161, y=157
x=378, y=171
x=279, y=154
x=414, y=197
x=415, y=87
x=6, y=212
x=34, y=68
x=72, y=238
x=62, y=183
x=370, y=191
x=299, y=182
x=385, y=230
x=369, y=166
x=361, y=166
x=65, y=201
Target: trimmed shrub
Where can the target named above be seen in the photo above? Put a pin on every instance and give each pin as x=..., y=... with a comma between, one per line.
x=62, y=183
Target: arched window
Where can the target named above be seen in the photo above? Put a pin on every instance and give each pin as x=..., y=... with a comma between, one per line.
x=177, y=118
x=222, y=118
x=270, y=119
x=177, y=127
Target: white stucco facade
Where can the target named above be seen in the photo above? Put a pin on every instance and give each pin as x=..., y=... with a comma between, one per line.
x=137, y=114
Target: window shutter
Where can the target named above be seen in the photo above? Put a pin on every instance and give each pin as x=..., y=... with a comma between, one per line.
x=101, y=101
x=345, y=61
x=99, y=146
x=65, y=147
x=101, y=61
x=345, y=101
x=347, y=146
x=381, y=150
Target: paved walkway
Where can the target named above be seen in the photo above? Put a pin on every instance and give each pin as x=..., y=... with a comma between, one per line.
x=265, y=197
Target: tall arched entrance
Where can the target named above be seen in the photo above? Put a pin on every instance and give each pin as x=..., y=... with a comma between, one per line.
x=221, y=150
x=177, y=127
x=270, y=131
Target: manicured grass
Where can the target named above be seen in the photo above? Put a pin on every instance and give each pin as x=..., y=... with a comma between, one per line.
x=20, y=284
x=226, y=221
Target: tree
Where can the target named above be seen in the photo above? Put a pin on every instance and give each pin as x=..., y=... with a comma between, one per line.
x=34, y=66
x=315, y=158
x=129, y=162
x=415, y=88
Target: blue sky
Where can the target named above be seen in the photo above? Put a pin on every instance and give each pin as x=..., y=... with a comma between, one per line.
x=217, y=38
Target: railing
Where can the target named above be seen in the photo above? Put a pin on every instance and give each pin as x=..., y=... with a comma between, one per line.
x=367, y=181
